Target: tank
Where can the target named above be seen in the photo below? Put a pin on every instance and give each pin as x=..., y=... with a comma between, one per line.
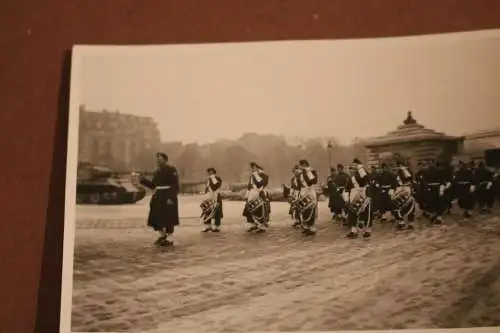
x=101, y=186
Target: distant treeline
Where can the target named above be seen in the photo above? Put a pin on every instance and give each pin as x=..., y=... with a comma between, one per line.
x=231, y=158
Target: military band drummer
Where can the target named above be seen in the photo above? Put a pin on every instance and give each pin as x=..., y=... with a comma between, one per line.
x=291, y=192
x=212, y=218
x=257, y=217
x=308, y=178
x=360, y=217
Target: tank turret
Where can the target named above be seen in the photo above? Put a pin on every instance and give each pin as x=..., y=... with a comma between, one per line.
x=100, y=186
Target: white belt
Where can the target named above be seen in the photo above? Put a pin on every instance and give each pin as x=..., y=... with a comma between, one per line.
x=163, y=187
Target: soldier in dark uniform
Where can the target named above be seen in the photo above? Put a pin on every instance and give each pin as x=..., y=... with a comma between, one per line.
x=341, y=180
x=387, y=182
x=373, y=190
x=291, y=192
x=331, y=192
x=472, y=166
x=418, y=187
x=214, y=183
x=463, y=184
x=434, y=184
x=447, y=173
x=164, y=206
x=496, y=184
x=484, y=188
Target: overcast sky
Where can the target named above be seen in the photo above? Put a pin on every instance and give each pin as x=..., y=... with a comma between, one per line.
x=307, y=88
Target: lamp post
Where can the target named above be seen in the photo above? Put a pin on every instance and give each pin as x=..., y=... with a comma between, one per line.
x=329, y=150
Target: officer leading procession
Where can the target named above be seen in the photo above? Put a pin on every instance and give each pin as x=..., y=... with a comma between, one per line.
x=356, y=199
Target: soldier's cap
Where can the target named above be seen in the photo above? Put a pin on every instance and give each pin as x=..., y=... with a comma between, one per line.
x=303, y=163
x=255, y=165
x=162, y=155
x=212, y=170
x=340, y=166
x=356, y=161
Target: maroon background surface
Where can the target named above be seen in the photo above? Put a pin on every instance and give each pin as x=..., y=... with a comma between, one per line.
x=35, y=39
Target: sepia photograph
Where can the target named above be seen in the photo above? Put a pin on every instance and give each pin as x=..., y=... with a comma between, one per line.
x=315, y=185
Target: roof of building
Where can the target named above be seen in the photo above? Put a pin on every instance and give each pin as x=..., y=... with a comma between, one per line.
x=492, y=132
x=409, y=131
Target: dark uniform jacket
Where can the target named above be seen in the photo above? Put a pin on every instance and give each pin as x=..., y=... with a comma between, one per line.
x=164, y=206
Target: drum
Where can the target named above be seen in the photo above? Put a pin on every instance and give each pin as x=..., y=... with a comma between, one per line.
x=305, y=202
x=208, y=206
x=401, y=197
x=358, y=202
x=253, y=204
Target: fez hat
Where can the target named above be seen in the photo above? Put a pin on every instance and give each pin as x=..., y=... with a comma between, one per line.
x=356, y=161
x=253, y=164
x=303, y=163
x=211, y=170
x=162, y=155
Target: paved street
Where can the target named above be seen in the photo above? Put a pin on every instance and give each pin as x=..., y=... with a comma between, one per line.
x=433, y=277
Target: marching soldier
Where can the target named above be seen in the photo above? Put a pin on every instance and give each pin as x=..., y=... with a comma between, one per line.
x=387, y=183
x=257, y=184
x=308, y=179
x=291, y=192
x=374, y=190
x=404, y=175
x=214, y=183
x=447, y=173
x=341, y=181
x=405, y=178
x=463, y=184
x=359, y=220
x=418, y=187
x=434, y=186
x=164, y=207
x=331, y=191
x=484, y=188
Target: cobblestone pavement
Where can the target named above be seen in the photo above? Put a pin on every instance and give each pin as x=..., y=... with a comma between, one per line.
x=233, y=281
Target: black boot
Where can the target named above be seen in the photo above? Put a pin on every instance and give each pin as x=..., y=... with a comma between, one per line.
x=351, y=235
x=160, y=240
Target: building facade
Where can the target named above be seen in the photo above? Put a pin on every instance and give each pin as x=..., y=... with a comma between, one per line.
x=412, y=142
x=120, y=141
x=476, y=143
